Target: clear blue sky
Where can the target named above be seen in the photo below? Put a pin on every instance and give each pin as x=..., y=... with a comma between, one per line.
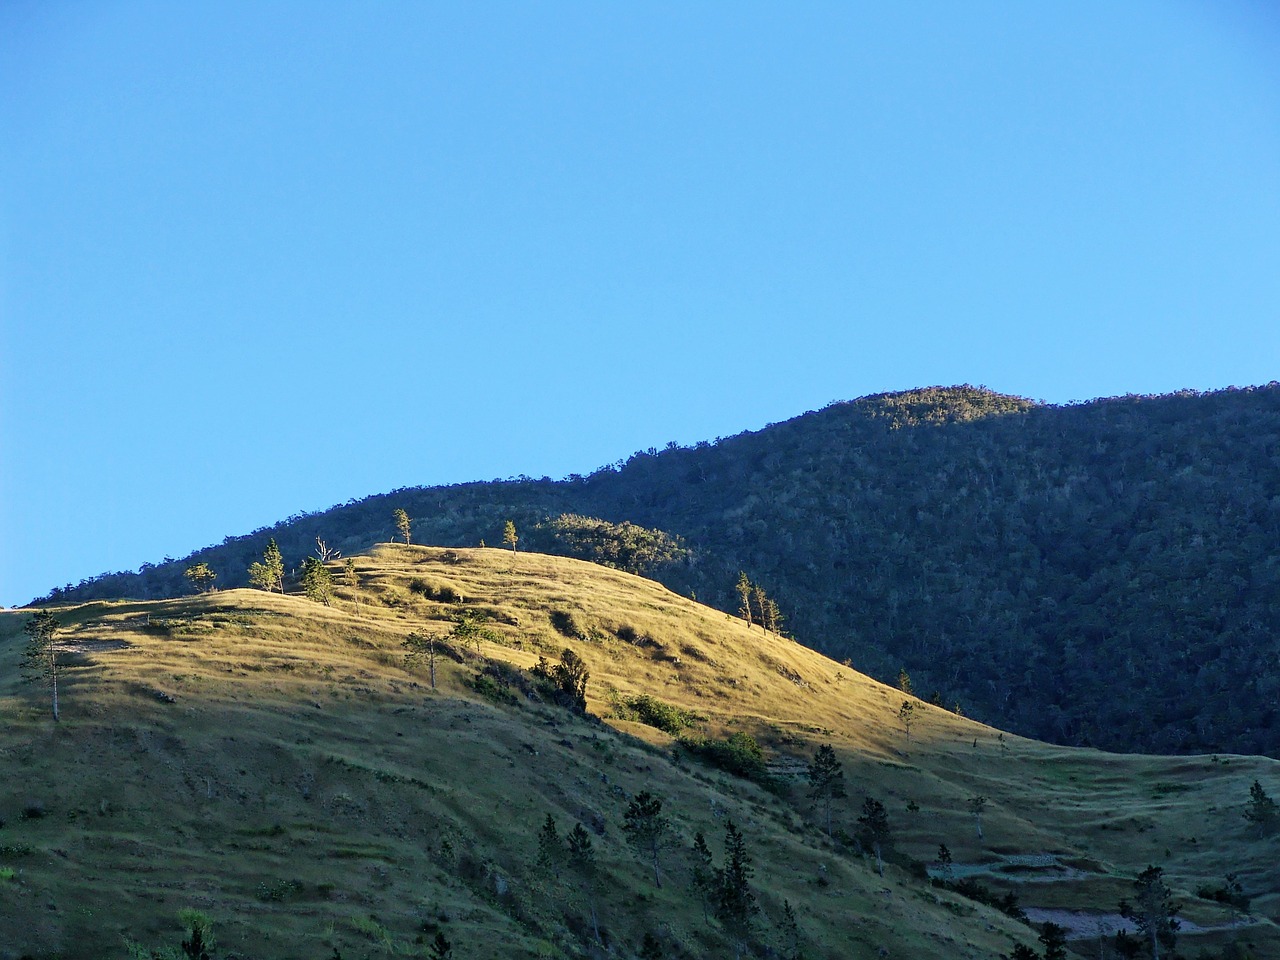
x=257, y=258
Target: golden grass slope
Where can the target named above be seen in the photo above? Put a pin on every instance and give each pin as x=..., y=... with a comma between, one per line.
x=272, y=762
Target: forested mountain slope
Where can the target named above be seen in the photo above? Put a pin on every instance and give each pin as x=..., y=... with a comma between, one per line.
x=1103, y=573
x=277, y=765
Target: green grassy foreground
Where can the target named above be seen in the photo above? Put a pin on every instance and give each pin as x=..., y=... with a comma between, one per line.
x=271, y=762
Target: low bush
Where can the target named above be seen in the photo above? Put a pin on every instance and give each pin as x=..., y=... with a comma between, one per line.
x=655, y=713
x=739, y=754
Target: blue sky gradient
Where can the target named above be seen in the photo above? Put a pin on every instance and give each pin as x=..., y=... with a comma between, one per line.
x=258, y=258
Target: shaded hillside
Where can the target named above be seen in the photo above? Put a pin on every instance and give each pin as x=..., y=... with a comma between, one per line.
x=275, y=764
x=1021, y=559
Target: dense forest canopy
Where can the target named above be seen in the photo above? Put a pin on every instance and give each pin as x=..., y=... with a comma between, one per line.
x=1102, y=573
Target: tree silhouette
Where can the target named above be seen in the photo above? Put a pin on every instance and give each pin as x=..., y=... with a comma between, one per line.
x=1153, y=911
x=582, y=863
x=702, y=873
x=40, y=659
x=1262, y=810
x=874, y=830
x=646, y=829
x=735, y=904
x=826, y=780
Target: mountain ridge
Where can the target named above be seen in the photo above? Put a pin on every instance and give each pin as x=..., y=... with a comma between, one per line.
x=898, y=530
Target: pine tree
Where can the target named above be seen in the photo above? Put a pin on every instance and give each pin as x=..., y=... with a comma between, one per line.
x=1054, y=940
x=904, y=681
x=350, y=577
x=743, y=587
x=41, y=658
x=789, y=929
x=317, y=582
x=646, y=829
x=551, y=850
x=945, y=867
x=1262, y=810
x=201, y=577
x=651, y=948
x=582, y=862
x=776, y=620
x=761, y=600
x=201, y=941
x=826, y=780
x=1153, y=911
x=702, y=873
x=509, y=536
x=874, y=830
x=421, y=646
x=402, y=523
x=269, y=573
x=441, y=948
x=735, y=904
x=907, y=716
x=976, y=806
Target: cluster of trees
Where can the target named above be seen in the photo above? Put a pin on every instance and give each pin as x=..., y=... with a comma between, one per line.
x=624, y=546
x=756, y=606
x=725, y=890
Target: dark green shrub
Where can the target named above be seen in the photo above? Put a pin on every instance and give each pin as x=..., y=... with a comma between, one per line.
x=566, y=624
x=739, y=754
x=655, y=713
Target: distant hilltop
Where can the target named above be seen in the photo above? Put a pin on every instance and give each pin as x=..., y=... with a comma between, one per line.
x=1017, y=559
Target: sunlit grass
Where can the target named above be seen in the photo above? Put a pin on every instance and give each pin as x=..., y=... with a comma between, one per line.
x=274, y=763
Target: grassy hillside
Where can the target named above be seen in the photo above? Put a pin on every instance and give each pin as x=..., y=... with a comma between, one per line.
x=273, y=763
x=950, y=531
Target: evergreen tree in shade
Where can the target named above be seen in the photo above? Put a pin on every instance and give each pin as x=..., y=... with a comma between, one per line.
x=441, y=948
x=582, y=863
x=873, y=830
x=41, y=659
x=651, y=948
x=1153, y=911
x=702, y=873
x=646, y=829
x=551, y=849
x=194, y=947
x=945, y=866
x=826, y=780
x=1054, y=940
x=201, y=941
x=1261, y=810
x=789, y=931
x=1021, y=952
x=268, y=574
x=976, y=806
x=735, y=904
